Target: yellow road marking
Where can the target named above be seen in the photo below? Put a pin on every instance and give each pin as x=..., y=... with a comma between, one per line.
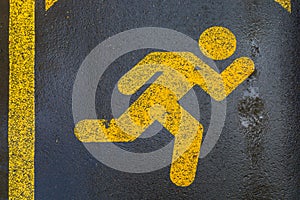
x=181, y=71
x=286, y=4
x=195, y=72
x=161, y=104
x=49, y=3
x=21, y=123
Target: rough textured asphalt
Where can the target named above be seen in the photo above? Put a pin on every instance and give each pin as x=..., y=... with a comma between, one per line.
x=257, y=155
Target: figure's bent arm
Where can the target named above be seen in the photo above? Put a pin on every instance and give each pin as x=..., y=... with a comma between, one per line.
x=219, y=86
x=155, y=62
x=196, y=72
x=133, y=80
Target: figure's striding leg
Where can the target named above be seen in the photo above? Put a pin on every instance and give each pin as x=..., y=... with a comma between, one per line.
x=188, y=137
x=157, y=103
x=132, y=123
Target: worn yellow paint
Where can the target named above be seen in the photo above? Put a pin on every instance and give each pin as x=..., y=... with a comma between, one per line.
x=286, y=4
x=194, y=70
x=217, y=43
x=49, y=3
x=21, y=123
x=156, y=103
x=181, y=71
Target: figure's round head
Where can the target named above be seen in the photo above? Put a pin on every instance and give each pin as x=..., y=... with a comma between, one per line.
x=217, y=43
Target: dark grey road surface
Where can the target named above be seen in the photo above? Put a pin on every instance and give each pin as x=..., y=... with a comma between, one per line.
x=257, y=155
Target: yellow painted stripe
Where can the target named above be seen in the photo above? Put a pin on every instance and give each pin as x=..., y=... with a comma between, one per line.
x=286, y=4
x=21, y=123
x=49, y=3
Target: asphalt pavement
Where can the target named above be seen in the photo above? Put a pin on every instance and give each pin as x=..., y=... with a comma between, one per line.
x=257, y=154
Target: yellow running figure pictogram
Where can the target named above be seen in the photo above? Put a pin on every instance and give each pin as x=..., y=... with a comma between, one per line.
x=180, y=72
